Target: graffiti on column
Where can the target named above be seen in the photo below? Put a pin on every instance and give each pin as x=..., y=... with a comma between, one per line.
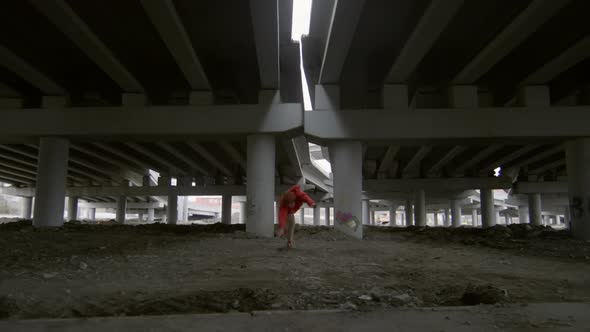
x=347, y=219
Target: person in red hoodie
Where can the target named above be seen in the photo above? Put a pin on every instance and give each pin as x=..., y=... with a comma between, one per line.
x=290, y=202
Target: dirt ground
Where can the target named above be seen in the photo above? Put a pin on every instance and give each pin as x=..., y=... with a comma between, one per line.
x=113, y=270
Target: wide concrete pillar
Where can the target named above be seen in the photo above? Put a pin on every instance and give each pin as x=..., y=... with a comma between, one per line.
x=488, y=213
x=366, y=212
x=51, y=182
x=392, y=216
x=316, y=216
x=420, y=212
x=327, y=215
x=523, y=214
x=346, y=159
x=474, y=217
x=261, y=185
x=447, y=217
x=72, y=208
x=150, y=215
x=226, y=209
x=26, y=207
x=242, y=212
x=535, y=211
x=456, y=212
x=409, y=213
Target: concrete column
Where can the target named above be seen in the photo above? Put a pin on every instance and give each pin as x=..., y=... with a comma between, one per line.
x=185, y=207
x=403, y=218
x=316, y=216
x=523, y=214
x=121, y=209
x=535, y=209
x=456, y=212
x=27, y=207
x=488, y=213
x=242, y=212
x=546, y=220
x=327, y=215
x=507, y=219
x=366, y=212
x=498, y=221
x=172, y=212
x=150, y=215
x=261, y=185
x=435, y=217
x=226, y=201
x=346, y=159
x=420, y=212
x=474, y=217
x=392, y=216
x=72, y=208
x=140, y=217
x=302, y=216
x=372, y=216
x=447, y=217
x=51, y=182
x=92, y=214
x=409, y=213
x=122, y=205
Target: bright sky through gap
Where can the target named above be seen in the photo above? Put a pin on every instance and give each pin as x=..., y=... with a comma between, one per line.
x=300, y=27
x=301, y=18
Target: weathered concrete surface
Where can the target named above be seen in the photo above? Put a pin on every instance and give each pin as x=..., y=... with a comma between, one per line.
x=534, y=317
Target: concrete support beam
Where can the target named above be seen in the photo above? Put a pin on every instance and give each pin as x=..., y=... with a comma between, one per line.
x=27, y=208
x=226, y=202
x=51, y=182
x=345, y=16
x=431, y=25
x=488, y=213
x=165, y=19
x=536, y=96
x=447, y=218
x=261, y=185
x=113, y=123
x=427, y=125
x=463, y=96
x=578, y=166
x=72, y=208
x=395, y=97
x=24, y=70
x=474, y=218
x=64, y=17
x=436, y=184
x=420, y=212
x=327, y=215
x=525, y=24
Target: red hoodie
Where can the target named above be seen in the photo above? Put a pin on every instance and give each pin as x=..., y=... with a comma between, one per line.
x=284, y=208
